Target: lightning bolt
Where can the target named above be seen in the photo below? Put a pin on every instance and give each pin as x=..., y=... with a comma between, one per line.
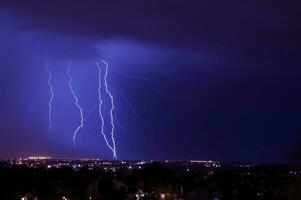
x=116, y=118
x=51, y=95
x=112, y=106
x=113, y=148
x=76, y=103
x=131, y=107
x=146, y=80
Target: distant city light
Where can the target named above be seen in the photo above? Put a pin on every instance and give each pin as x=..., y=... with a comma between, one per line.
x=38, y=158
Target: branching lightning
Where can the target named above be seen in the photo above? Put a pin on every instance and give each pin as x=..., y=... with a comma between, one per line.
x=106, y=88
x=131, y=107
x=146, y=80
x=118, y=124
x=112, y=107
x=51, y=95
x=100, y=107
x=76, y=103
x=103, y=89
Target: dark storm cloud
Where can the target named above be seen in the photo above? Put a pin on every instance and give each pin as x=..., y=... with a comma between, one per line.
x=190, y=23
x=232, y=31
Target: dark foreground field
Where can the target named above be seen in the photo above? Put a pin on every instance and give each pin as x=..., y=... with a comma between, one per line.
x=153, y=181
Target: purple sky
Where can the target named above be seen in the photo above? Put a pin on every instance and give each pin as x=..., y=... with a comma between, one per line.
x=209, y=79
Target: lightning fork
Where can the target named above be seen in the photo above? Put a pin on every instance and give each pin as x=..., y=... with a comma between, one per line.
x=51, y=95
x=112, y=106
x=76, y=103
x=146, y=80
x=101, y=116
x=127, y=101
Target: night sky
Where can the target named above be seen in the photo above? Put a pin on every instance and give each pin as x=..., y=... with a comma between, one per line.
x=212, y=79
